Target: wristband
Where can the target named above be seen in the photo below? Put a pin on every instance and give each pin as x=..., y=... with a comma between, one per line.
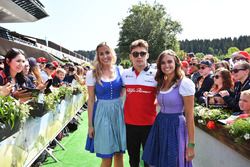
x=191, y=145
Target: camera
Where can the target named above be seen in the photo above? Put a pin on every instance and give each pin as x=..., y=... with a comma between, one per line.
x=71, y=69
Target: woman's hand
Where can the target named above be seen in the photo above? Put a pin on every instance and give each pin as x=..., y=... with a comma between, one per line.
x=22, y=95
x=91, y=132
x=6, y=89
x=205, y=94
x=41, y=86
x=190, y=154
x=224, y=93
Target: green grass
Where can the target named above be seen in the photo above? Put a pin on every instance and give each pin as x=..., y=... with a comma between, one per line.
x=75, y=154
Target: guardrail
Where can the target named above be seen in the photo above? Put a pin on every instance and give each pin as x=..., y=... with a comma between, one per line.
x=23, y=147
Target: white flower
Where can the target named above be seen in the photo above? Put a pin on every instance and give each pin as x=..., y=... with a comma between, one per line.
x=200, y=121
x=247, y=136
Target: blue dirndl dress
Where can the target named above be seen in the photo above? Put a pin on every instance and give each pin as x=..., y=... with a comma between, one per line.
x=167, y=140
x=108, y=120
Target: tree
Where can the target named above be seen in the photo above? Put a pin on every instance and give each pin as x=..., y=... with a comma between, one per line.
x=247, y=50
x=231, y=50
x=152, y=24
x=200, y=55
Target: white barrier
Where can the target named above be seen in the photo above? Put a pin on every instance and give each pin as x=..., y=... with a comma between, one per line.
x=22, y=148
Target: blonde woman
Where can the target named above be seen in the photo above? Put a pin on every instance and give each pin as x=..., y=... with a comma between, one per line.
x=106, y=133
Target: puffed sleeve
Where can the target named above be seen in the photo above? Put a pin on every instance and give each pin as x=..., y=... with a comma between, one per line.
x=90, y=80
x=187, y=87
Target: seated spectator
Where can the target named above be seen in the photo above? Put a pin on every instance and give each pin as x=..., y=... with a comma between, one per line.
x=48, y=71
x=184, y=67
x=205, y=81
x=79, y=76
x=58, y=79
x=56, y=64
x=222, y=81
x=35, y=74
x=2, y=62
x=189, y=57
x=222, y=64
x=241, y=74
x=41, y=62
x=244, y=102
x=240, y=56
x=29, y=78
x=211, y=58
x=194, y=69
x=71, y=71
x=12, y=73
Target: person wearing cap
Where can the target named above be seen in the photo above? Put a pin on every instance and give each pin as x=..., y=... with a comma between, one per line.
x=194, y=69
x=2, y=62
x=56, y=64
x=42, y=61
x=189, y=56
x=240, y=56
x=205, y=81
x=184, y=67
x=48, y=71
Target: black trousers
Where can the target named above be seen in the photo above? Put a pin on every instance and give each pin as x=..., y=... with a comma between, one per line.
x=136, y=136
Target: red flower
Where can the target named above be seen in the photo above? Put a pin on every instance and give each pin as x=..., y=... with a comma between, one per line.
x=211, y=125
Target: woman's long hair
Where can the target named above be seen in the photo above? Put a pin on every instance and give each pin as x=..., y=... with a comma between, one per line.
x=227, y=81
x=11, y=54
x=159, y=77
x=97, y=72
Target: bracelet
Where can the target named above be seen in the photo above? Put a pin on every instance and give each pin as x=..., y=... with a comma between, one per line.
x=191, y=145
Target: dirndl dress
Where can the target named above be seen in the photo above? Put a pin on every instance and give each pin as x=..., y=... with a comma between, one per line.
x=167, y=140
x=108, y=120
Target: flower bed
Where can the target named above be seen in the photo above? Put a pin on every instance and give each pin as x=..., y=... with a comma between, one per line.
x=234, y=135
x=12, y=115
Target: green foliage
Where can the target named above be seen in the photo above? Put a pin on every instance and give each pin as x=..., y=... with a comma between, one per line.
x=11, y=111
x=231, y=50
x=210, y=114
x=216, y=47
x=247, y=50
x=126, y=64
x=200, y=55
x=51, y=100
x=241, y=129
x=181, y=54
x=152, y=24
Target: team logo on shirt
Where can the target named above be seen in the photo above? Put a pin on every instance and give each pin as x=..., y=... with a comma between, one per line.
x=129, y=76
x=137, y=90
x=150, y=73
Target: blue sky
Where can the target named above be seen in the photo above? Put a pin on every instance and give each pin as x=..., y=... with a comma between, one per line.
x=82, y=24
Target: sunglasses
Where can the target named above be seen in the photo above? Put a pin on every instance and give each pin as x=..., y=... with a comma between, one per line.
x=216, y=76
x=136, y=54
x=1, y=63
x=192, y=64
x=237, y=70
x=104, y=53
x=203, y=67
